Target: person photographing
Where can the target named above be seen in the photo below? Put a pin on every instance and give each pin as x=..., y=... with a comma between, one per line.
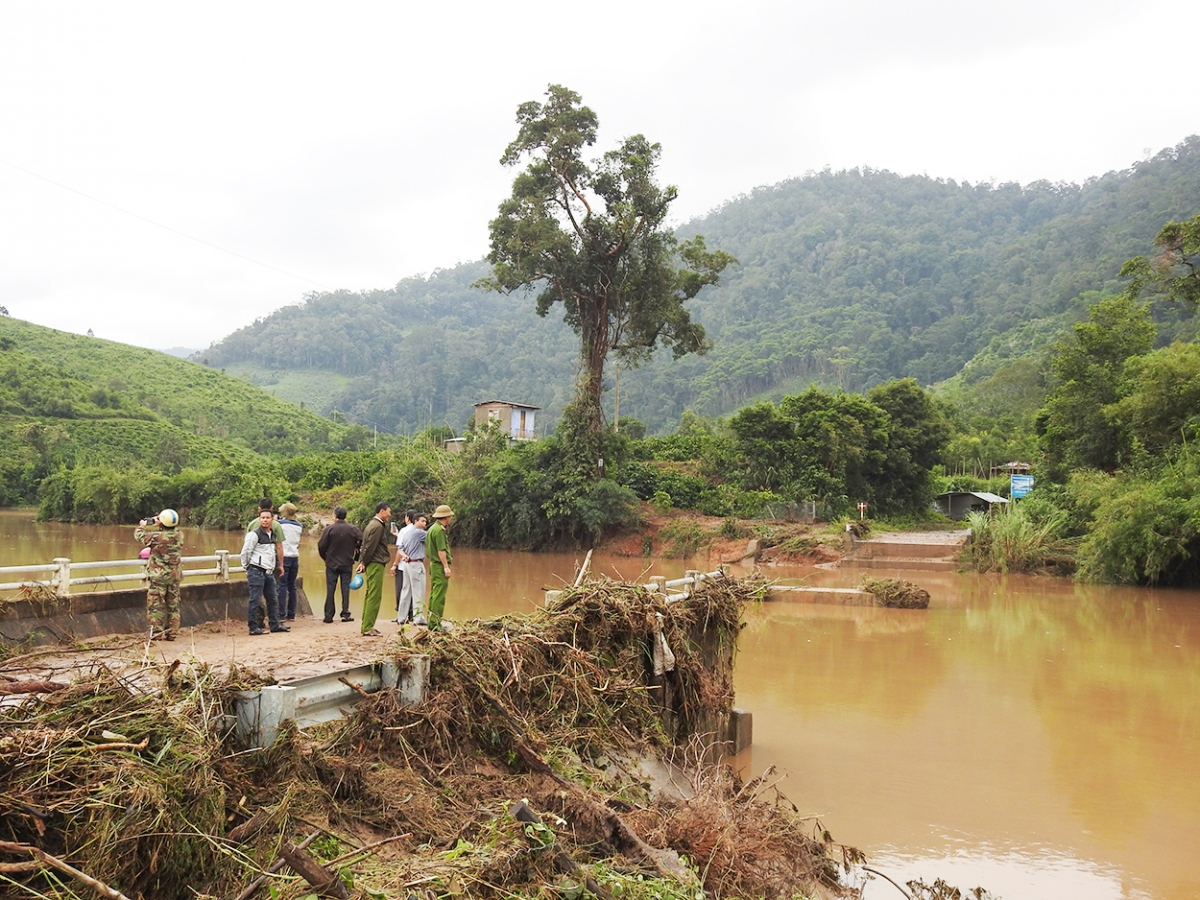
x=164, y=571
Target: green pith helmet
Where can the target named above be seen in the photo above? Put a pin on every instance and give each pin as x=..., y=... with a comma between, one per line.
x=168, y=518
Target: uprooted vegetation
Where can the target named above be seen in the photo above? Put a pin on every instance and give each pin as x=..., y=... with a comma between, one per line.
x=525, y=771
x=896, y=593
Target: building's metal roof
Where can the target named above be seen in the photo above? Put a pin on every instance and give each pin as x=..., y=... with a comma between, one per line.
x=507, y=403
x=986, y=496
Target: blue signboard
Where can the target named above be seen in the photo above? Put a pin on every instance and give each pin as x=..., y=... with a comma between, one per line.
x=1020, y=485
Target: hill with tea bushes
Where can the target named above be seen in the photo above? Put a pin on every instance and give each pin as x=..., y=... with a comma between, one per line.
x=82, y=404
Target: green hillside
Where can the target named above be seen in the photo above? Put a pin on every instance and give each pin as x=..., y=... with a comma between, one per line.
x=70, y=403
x=846, y=279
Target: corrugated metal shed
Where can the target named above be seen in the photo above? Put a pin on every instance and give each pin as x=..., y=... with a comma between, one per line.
x=956, y=504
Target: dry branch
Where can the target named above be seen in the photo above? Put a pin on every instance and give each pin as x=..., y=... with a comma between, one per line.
x=31, y=687
x=55, y=863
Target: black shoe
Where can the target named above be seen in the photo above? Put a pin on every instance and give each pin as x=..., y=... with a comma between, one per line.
x=290, y=619
x=257, y=631
x=279, y=628
x=346, y=617
x=329, y=621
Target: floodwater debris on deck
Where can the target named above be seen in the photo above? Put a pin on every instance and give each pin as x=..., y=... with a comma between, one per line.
x=137, y=783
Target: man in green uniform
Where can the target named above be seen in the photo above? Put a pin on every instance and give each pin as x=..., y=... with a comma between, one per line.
x=376, y=553
x=437, y=550
x=164, y=571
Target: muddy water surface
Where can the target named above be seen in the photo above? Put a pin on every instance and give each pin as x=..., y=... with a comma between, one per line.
x=1033, y=736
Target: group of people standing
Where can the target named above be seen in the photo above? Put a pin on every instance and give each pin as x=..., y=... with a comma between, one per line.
x=401, y=551
x=271, y=557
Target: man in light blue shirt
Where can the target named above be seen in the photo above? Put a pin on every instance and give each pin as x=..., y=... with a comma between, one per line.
x=410, y=547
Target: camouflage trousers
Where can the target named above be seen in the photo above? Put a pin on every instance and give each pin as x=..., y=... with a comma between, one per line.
x=162, y=607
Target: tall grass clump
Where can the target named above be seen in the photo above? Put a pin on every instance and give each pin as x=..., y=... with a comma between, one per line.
x=1018, y=539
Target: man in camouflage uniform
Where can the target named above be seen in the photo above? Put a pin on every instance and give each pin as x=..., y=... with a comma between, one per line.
x=164, y=571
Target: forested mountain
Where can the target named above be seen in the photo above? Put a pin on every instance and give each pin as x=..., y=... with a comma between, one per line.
x=845, y=279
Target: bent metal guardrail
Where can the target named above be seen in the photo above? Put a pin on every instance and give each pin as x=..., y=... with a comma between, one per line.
x=62, y=580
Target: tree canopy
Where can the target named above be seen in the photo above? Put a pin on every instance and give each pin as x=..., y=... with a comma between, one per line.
x=592, y=235
x=1087, y=369
x=1175, y=269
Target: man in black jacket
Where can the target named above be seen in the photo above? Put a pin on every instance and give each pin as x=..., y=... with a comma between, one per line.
x=338, y=546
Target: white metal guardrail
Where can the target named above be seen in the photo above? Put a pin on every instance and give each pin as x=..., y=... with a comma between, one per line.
x=62, y=580
x=673, y=589
x=691, y=579
x=259, y=715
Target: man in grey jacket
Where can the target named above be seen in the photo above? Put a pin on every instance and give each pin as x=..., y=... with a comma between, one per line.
x=258, y=559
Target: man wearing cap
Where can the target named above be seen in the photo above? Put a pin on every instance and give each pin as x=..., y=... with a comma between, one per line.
x=376, y=554
x=164, y=571
x=437, y=548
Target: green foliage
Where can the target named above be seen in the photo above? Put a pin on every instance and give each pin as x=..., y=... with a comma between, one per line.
x=592, y=236
x=917, y=431
x=1145, y=526
x=1159, y=405
x=218, y=495
x=1087, y=369
x=531, y=496
x=847, y=280
x=1172, y=271
x=1021, y=537
x=681, y=538
x=93, y=378
x=108, y=432
x=321, y=471
x=839, y=448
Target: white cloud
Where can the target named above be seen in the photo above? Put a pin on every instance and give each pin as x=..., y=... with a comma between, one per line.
x=352, y=145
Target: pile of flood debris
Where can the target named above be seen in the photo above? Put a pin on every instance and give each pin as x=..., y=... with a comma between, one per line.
x=896, y=593
x=563, y=753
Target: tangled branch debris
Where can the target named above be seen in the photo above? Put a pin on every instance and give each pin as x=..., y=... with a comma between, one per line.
x=896, y=593
x=522, y=773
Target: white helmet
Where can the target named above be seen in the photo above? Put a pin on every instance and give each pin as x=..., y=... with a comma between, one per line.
x=168, y=518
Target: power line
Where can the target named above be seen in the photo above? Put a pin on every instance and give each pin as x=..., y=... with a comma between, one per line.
x=150, y=221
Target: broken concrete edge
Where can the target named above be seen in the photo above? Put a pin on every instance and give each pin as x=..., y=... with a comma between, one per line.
x=97, y=613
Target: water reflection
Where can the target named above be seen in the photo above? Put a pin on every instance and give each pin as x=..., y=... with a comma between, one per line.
x=1044, y=728
x=1034, y=736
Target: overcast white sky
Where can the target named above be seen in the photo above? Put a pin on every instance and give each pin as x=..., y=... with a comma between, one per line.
x=170, y=172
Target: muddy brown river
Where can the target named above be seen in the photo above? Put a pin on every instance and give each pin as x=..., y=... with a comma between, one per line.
x=1029, y=735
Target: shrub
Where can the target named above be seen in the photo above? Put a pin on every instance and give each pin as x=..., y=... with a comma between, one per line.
x=681, y=538
x=1146, y=528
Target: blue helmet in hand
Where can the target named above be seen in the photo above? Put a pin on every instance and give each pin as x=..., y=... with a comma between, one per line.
x=356, y=582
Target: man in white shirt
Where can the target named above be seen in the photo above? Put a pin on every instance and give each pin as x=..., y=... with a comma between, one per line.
x=410, y=546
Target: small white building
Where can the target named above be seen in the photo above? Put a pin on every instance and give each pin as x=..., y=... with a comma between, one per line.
x=517, y=419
